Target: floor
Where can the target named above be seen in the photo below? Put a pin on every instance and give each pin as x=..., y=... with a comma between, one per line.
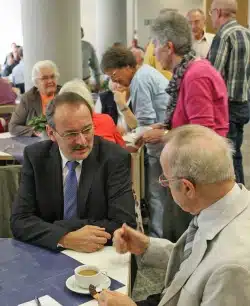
x=150, y=281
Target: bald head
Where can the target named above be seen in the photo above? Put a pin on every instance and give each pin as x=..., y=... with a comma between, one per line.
x=228, y=7
x=199, y=154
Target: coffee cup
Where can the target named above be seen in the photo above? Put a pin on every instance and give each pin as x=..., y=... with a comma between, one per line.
x=88, y=275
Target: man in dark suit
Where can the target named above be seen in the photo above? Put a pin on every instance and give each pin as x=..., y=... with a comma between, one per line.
x=75, y=189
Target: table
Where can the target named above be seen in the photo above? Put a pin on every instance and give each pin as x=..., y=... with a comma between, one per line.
x=27, y=271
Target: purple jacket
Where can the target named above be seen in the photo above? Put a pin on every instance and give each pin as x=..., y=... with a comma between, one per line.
x=7, y=95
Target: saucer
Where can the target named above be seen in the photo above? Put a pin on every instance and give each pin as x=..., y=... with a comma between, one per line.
x=72, y=285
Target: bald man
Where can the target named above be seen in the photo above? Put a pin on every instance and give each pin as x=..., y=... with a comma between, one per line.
x=230, y=55
x=201, y=40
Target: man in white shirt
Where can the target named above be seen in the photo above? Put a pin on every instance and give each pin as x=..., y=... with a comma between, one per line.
x=210, y=264
x=201, y=40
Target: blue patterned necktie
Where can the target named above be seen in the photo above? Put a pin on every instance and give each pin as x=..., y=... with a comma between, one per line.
x=70, y=190
x=192, y=229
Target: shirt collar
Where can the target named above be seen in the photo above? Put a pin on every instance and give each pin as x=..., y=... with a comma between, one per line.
x=215, y=215
x=65, y=160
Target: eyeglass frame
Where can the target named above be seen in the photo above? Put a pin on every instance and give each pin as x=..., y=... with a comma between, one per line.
x=164, y=181
x=67, y=135
x=48, y=77
x=211, y=11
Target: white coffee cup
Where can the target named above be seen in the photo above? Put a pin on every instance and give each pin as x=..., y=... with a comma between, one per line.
x=85, y=280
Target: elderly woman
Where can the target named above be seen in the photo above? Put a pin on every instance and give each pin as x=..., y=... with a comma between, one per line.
x=33, y=103
x=198, y=96
x=104, y=126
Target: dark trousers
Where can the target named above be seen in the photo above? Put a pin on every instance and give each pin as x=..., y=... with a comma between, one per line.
x=152, y=300
x=238, y=117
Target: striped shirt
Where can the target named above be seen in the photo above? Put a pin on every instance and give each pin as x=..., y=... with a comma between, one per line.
x=230, y=55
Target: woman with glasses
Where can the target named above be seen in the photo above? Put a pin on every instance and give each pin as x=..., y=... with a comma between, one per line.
x=33, y=103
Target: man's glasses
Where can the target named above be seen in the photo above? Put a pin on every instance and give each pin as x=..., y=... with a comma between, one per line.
x=86, y=131
x=164, y=182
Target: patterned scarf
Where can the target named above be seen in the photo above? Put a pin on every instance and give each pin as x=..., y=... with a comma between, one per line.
x=174, y=85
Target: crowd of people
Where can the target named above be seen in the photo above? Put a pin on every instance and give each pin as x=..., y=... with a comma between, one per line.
x=190, y=88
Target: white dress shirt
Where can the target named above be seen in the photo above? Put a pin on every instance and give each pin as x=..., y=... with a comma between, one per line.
x=66, y=170
x=202, y=46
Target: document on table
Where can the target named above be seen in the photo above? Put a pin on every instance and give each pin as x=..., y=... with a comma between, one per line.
x=45, y=300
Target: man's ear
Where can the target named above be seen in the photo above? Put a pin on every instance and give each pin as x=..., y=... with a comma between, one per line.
x=189, y=188
x=50, y=133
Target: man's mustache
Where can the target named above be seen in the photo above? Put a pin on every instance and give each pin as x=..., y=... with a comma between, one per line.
x=79, y=147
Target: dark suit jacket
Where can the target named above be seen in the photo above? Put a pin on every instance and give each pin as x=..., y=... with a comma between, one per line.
x=29, y=107
x=104, y=195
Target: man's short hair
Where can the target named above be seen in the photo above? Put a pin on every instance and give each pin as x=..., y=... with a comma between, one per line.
x=228, y=7
x=197, y=10
x=173, y=27
x=117, y=57
x=199, y=154
x=69, y=98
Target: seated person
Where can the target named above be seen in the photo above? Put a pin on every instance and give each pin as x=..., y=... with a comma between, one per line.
x=18, y=73
x=2, y=125
x=33, y=103
x=103, y=124
x=10, y=64
x=210, y=264
x=117, y=103
x=75, y=189
x=7, y=94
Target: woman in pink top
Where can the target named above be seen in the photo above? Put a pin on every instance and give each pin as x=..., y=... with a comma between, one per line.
x=198, y=95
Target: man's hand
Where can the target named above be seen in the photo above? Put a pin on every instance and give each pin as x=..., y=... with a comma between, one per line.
x=112, y=298
x=153, y=136
x=127, y=239
x=87, y=239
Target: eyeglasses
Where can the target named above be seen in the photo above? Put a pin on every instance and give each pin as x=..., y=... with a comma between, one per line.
x=48, y=77
x=86, y=131
x=164, y=182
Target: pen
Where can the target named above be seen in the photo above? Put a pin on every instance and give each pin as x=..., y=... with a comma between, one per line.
x=37, y=301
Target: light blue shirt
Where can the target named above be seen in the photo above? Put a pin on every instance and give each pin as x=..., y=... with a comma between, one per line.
x=148, y=95
x=18, y=73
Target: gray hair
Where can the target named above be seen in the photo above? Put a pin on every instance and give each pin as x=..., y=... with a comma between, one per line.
x=200, y=155
x=173, y=27
x=43, y=64
x=69, y=98
x=79, y=87
x=197, y=10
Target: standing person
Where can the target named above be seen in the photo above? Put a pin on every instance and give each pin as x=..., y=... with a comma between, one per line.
x=230, y=55
x=149, y=102
x=89, y=61
x=201, y=39
x=18, y=73
x=198, y=96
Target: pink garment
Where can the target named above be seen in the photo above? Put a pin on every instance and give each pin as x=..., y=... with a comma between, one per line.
x=202, y=99
x=7, y=95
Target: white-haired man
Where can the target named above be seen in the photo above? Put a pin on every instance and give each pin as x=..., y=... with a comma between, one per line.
x=201, y=40
x=230, y=55
x=210, y=264
x=33, y=103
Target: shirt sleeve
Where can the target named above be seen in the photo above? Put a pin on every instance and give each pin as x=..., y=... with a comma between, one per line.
x=199, y=103
x=142, y=103
x=94, y=65
x=218, y=54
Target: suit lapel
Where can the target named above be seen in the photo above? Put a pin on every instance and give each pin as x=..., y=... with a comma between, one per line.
x=186, y=269
x=54, y=166
x=89, y=168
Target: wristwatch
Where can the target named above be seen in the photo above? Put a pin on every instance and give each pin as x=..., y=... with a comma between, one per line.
x=124, y=108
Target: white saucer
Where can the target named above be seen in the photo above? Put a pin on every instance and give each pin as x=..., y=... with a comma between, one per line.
x=72, y=285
